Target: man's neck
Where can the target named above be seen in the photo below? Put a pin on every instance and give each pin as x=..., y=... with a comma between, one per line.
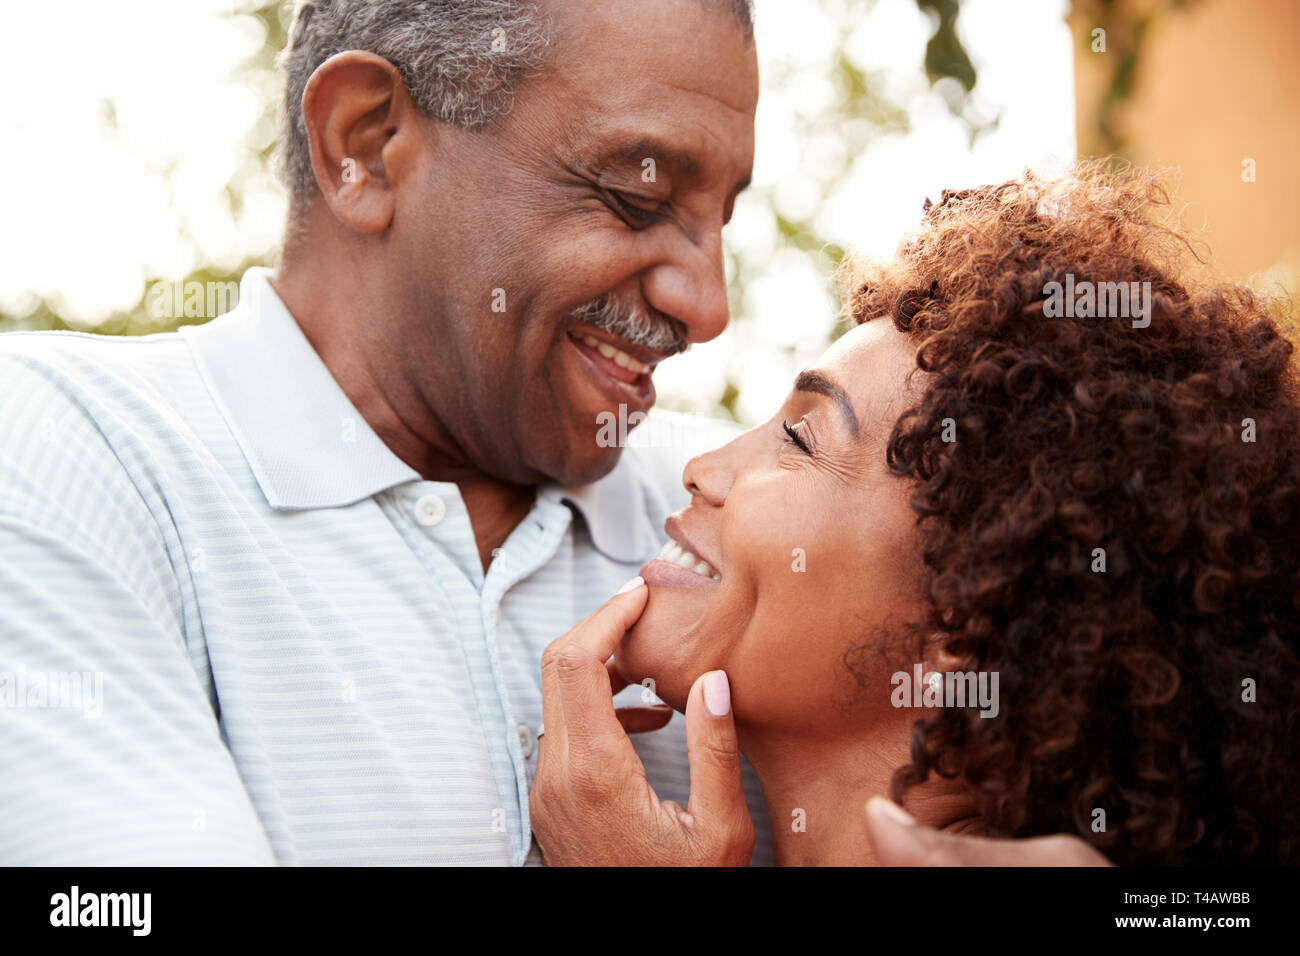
x=816, y=792
x=495, y=507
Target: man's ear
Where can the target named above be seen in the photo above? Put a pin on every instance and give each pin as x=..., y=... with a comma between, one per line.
x=362, y=130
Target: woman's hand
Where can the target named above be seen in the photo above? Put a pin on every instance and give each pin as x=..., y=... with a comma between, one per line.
x=898, y=840
x=591, y=804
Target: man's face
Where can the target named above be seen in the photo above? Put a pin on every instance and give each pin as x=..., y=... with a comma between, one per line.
x=588, y=219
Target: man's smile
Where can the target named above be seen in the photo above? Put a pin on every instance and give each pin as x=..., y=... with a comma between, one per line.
x=620, y=370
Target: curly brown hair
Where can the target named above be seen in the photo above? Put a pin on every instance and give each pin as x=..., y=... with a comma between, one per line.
x=1124, y=689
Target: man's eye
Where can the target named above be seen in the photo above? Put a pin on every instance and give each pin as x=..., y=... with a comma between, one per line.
x=635, y=213
x=794, y=438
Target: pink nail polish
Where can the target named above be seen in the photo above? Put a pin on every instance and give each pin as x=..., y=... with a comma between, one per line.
x=632, y=585
x=717, y=693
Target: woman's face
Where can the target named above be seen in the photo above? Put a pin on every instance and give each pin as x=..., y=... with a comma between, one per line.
x=808, y=551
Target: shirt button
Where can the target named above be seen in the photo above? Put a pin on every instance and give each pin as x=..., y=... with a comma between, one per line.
x=527, y=740
x=429, y=510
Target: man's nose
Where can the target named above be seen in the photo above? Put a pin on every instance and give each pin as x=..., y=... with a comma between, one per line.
x=690, y=284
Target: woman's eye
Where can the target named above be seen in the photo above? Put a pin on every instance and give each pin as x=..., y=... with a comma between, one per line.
x=794, y=438
x=637, y=215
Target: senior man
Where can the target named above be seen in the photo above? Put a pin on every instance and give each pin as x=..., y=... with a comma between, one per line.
x=306, y=557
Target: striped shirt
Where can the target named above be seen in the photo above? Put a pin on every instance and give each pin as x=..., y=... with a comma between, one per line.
x=235, y=628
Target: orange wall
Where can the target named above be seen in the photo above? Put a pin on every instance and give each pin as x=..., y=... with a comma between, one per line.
x=1217, y=82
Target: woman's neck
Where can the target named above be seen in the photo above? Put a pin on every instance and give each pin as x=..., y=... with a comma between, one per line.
x=816, y=793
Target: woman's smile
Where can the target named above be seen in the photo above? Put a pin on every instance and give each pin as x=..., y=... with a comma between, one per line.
x=680, y=563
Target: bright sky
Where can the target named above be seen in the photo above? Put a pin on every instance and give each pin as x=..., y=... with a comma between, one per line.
x=93, y=210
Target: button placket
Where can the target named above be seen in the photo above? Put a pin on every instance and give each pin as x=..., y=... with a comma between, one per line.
x=538, y=542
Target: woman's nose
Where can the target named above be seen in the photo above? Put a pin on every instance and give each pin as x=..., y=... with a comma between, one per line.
x=709, y=476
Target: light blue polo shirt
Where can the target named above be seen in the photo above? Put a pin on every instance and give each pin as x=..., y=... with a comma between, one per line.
x=235, y=628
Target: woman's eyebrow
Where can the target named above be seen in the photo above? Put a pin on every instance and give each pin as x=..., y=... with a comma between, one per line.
x=811, y=381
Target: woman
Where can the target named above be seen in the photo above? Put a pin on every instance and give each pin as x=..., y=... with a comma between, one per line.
x=1075, y=501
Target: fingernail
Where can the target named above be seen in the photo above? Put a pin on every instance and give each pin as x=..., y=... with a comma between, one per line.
x=892, y=810
x=717, y=693
x=632, y=585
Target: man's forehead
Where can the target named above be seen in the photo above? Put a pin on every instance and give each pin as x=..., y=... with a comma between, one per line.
x=682, y=90
x=654, y=51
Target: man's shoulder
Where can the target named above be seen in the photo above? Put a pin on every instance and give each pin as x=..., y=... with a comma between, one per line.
x=67, y=342
x=75, y=395
x=72, y=362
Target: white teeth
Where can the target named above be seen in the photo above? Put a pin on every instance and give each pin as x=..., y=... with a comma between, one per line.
x=674, y=553
x=617, y=356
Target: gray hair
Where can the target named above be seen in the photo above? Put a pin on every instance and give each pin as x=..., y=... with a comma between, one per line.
x=458, y=58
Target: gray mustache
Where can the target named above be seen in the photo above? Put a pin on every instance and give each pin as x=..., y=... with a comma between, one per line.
x=656, y=332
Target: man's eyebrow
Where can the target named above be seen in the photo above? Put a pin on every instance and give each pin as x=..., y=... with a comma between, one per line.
x=811, y=381
x=648, y=147
x=685, y=163
x=652, y=147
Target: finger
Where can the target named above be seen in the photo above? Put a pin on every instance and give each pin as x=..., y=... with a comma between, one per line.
x=582, y=680
x=898, y=840
x=552, y=712
x=643, y=720
x=713, y=751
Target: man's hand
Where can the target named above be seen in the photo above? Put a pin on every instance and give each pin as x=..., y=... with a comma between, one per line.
x=591, y=803
x=900, y=841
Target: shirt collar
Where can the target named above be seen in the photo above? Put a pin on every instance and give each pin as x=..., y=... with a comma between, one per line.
x=309, y=447
x=306, y=443
x=619, y=510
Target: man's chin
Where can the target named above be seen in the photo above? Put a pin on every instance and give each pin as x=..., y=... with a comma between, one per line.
x=584, y=466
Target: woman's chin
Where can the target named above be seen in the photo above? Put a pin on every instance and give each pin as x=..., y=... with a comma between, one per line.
x=677, y=638
x=642, y=658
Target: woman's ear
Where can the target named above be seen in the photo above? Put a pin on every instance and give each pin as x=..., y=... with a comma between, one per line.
x=361, y=127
